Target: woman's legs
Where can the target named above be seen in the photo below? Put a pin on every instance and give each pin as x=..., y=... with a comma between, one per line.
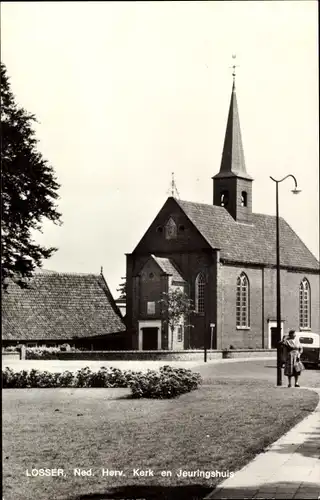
x=296, y=378
x=289, y=381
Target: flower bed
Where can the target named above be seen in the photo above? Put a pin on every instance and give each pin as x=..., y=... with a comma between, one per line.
x=167, y=383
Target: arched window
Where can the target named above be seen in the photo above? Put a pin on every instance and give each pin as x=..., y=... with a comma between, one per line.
x=199, y=293
x=224, y=198
x=304, y=304
x=242, y=301
x=171, y=229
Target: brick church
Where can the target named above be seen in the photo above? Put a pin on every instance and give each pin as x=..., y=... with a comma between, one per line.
x=224, y=257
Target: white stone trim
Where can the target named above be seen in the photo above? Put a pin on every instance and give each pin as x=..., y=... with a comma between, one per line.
x=149, y=323
x=273, y=324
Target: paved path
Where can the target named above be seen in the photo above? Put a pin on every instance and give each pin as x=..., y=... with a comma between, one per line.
x=55, y=365
x=288, y=469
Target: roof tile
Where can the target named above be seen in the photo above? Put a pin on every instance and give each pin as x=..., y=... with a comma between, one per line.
x=249, y=243
x=60, y=306
x=168, y=267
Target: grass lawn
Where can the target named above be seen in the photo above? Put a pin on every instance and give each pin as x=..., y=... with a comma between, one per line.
x=232, y=417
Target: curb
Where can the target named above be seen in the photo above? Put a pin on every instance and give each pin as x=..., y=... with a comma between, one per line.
x=273, y=445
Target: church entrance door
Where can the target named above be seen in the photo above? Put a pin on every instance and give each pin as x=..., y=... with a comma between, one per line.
x=273, y=337
x=149, y=335
x=149, y=339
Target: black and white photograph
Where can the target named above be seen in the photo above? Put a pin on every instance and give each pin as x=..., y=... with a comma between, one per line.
x=160, y=277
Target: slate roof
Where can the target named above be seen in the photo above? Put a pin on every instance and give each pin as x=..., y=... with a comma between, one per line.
x=233, y=162
x=249, y=243
x=60, y=306
x=169, y=268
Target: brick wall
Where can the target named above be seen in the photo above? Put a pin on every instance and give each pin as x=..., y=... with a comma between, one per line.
x=290, y=282
x=262, y=304
x=234, y=187
x=152, y=284
x=229, y=334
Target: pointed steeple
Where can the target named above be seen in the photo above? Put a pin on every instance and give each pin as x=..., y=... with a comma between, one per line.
x=232, y=186
x=233, y=162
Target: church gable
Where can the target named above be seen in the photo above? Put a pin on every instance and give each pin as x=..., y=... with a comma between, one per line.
x=150, y=270
x=171, y=231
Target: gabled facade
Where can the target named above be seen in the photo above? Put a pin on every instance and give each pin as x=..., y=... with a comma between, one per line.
x=225, y=257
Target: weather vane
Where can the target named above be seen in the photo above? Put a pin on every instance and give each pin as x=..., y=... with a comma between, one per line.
x=234, y=66
x=174, y=189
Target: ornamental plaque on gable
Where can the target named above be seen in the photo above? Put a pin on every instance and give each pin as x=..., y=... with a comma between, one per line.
x=171, y=229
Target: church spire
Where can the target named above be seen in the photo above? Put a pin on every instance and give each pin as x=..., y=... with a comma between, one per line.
x=232, y=186
x=233, y=162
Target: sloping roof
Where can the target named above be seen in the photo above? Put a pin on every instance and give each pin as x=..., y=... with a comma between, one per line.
x=249, y=243
x=168, y=267
x=60, y=306
x=233, y=162
x=41, y=270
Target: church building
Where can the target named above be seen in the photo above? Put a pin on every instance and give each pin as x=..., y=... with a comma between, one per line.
x=224, y=257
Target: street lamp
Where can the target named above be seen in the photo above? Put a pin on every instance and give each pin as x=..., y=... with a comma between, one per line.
x=295, y=191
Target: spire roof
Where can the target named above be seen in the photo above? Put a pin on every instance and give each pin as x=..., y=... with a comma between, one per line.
x=233, y=162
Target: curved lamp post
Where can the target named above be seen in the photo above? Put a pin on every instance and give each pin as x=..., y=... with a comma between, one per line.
x=295, y=191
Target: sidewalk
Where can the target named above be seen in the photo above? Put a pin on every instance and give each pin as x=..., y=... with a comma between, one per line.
x=289, y=468
x=56, y=365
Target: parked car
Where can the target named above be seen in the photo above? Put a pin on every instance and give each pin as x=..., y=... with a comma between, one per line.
x=311, y=348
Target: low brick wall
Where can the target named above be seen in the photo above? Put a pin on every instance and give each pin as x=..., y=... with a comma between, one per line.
x=135, y=355
x=249, y=353
x=190, y=355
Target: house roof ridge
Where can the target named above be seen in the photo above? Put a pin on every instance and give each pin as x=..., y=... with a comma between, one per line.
x=66, y=273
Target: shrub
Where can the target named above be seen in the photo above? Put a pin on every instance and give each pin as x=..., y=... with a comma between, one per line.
x=117, y=378
x=11, y=379
x=40, y=353
x=8, y=378
x=48, y=352
x=65, y=347
x=11, y=348
x=105, y=377
x=82, y=377
x=165, y=384
x=65, y=379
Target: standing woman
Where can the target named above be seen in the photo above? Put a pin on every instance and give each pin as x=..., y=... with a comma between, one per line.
x=293, y=350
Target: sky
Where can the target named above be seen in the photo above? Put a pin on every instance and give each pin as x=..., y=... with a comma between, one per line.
x=126, y=93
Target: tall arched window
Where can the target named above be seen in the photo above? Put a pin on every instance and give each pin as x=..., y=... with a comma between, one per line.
x=242, y=301
x=199, y=293
x=171, y=229
x=304, y=304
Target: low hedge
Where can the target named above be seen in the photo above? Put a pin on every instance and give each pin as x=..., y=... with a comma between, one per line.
x=167, y=383
x=41, y=353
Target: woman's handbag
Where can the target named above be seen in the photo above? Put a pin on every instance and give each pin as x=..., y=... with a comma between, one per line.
x=298, y=366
